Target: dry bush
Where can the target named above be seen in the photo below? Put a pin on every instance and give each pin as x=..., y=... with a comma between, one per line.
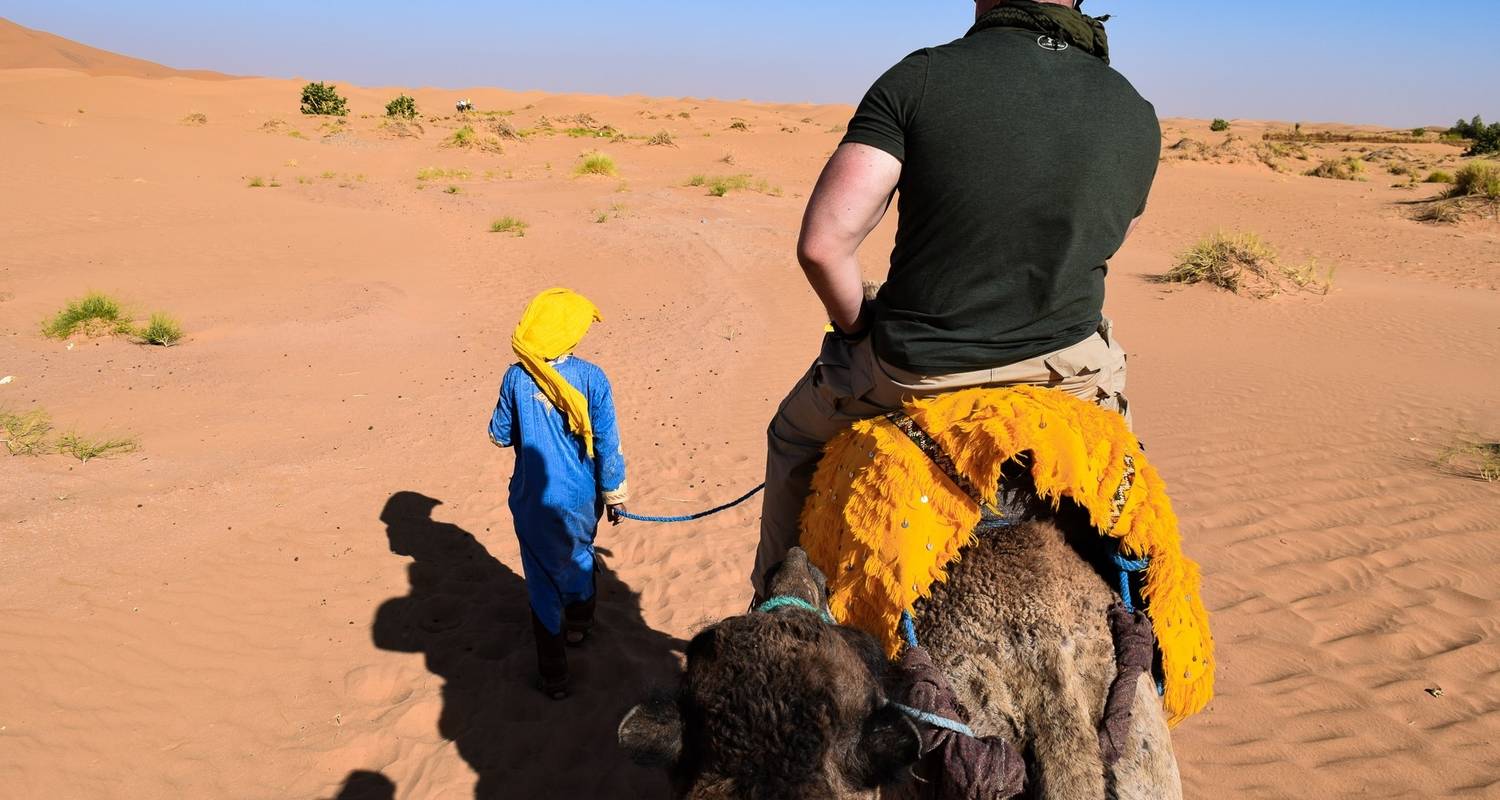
x=502, y=129
x=1244, y=264
x=1479, y=179
x=195, y=118
x=399, y=129
x=1348, y=168
x=1475, y=192
x=1473, y=459
x=25, y=434
x=661, y=139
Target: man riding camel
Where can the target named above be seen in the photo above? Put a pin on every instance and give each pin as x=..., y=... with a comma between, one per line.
x=1023, y=162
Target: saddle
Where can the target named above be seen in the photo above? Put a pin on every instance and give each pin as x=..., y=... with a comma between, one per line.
x=896, y=499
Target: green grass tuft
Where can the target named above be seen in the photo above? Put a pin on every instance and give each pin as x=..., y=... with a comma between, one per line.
x=90, y=315
x=1439, y=176
x=463, y=137
x=1479, y=179
x=162, y=330
x=85, y=448
x=721, y=185
x=438, y=173
x=25, y=434
x=596, y=164
x=509, y=225
x=256, y=182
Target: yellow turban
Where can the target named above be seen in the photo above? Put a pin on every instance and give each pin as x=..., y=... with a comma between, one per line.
x=553, y=324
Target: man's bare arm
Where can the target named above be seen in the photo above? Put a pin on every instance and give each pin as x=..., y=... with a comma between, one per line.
x=850, y=199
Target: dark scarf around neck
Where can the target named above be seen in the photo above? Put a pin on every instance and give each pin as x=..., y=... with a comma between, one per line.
x=1074, y=27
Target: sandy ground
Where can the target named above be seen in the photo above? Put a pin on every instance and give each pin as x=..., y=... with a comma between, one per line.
x=263, y=601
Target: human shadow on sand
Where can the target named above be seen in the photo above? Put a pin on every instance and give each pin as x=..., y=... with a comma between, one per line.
x=468, y=614
x=365, y=785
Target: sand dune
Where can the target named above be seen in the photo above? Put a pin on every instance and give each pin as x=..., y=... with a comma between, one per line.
x=261, y=602
x=22, y=47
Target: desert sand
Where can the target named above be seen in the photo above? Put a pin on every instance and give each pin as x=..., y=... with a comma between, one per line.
x=304, y=583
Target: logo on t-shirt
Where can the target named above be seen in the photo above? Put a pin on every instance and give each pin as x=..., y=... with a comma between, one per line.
x=1048, y=43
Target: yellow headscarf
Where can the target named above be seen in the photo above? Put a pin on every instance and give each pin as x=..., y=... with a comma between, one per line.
x=552, y=325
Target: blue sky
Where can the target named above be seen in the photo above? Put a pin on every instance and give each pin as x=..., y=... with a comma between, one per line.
x=1397, y=63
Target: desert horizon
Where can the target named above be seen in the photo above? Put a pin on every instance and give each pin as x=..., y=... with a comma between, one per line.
x=275, y=559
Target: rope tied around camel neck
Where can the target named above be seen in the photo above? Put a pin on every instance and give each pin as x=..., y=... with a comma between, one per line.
x=917, y=714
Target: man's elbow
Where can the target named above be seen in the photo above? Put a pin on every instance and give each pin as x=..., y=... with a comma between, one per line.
x=817, y=253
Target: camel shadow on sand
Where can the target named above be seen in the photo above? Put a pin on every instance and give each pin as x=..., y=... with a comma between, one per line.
x=468, y=614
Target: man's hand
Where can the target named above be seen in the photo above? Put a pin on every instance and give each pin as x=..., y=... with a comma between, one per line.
x=851, y=197
x=615, y=513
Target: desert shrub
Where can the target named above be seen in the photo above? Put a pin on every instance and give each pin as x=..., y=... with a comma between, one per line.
x=256, y=182
x=596, y=164
x=503, y=129
x=195, y=118
x=162, y=330
x=1419, y=133
x=1244, y=264
x=25, y=433
x=403, y=107
x=1473, y=459
x=85, y=448
x=452, y=190
x=1485, y=138
x=1439, y=176
x=739, y=125
x=323, y=98
x=1348, y=168
x=1219, y=125
x=509, y=225
x=661, y=139
x=90, y=315
x=1477, y=179
x=466, y=137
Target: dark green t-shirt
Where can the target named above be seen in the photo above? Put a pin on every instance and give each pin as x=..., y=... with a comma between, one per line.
x=1022, y=169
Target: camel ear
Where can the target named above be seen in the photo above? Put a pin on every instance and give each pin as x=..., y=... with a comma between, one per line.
x=888, y=748
x=651, y=733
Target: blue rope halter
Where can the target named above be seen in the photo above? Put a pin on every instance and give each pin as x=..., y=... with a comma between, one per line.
x=925, y=717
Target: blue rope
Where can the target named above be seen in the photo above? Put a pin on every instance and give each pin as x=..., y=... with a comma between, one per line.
x=787, y=601
x=936, y=721
x=1127, y=566
x=909, y=629
x=699, y=515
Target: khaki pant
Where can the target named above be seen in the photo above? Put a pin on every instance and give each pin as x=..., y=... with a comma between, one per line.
x=848, y=382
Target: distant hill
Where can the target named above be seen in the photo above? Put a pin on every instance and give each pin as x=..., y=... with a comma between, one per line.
x=22, y=47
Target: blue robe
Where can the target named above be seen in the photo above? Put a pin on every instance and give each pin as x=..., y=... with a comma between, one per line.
x=557, y=491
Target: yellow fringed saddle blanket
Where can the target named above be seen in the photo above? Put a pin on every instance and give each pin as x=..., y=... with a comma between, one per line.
x=885, y=521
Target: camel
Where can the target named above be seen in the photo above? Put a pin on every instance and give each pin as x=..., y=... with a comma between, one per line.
x=786, y=705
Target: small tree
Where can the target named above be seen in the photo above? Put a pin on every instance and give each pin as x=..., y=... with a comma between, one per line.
x=403, y=107
x=1219, y=126
x=1420, y=133
x=321, y=98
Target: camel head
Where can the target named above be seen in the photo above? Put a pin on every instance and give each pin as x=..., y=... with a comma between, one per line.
x=776, y=706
